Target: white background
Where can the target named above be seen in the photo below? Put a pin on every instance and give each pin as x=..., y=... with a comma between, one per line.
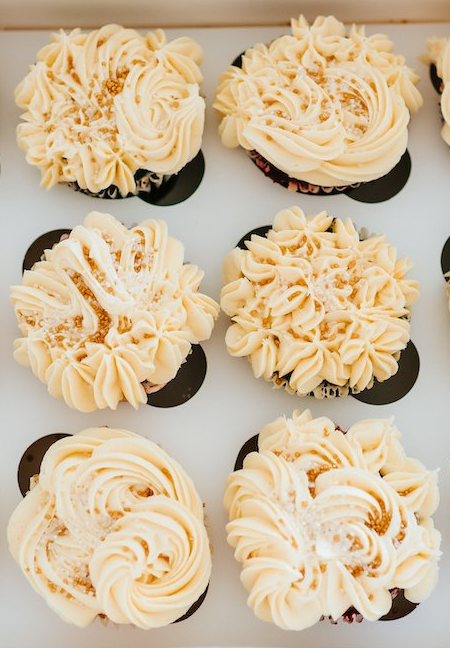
x=206, y=433
x=174, y=13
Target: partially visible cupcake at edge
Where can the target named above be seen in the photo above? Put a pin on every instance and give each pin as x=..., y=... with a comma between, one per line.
x=113, y=528
x=112, y=111
x=314, y=308
x=439, y=56
x=328, y=524
x=323, y=108
x=110, y=313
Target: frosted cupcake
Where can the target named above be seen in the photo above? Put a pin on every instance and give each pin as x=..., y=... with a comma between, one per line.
x=112, y=112
x=113, y=528
x=439, y=57
x=321, y=109
x=110, y=314
x=325, y=523
x=314, y=308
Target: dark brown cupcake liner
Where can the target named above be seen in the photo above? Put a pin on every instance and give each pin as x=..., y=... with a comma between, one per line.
x=436, y=80
x=373, y=191
x=147, y=182
x=156, y=188
x=400, y=608
x=292, y=184
x=378, y=393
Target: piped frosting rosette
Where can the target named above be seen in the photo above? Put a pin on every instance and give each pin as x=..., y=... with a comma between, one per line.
x=114, y=527
x=439, y=55
x=108, y=309
x=320, y=105
x=322, y=521
x=314, y=308
x=101, y=105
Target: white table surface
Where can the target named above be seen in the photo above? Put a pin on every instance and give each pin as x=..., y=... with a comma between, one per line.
x=206, y=433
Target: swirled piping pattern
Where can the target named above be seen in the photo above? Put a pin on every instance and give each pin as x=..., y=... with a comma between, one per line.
x=323, y=106
x=322, y=521
x=99, y=106
x=114, y=527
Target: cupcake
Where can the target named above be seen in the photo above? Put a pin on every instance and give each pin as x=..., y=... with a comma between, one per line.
x=112, y=112
x=113, y=528
x=325, y=522
x=439, y=58
x=110, y=314
x=314, y=308
x=320, y=110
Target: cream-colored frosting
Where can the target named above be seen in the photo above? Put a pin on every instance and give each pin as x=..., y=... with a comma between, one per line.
x=323, y=106
x=113, y=527
x=317, y=305
x=323, y=521
x=99, y=106
x=108, y=309
x=439, y=54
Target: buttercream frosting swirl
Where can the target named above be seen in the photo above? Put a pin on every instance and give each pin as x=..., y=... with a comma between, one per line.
x=323, y=106
x=114, y=527
x=439, y=54
x=312, y=305
x=101, y=105
x=108, y=309
x=322, y=521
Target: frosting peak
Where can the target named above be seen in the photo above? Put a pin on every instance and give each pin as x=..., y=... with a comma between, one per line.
x=100, y=106
x=323, y=107
x=322, y=521
x=108, y=309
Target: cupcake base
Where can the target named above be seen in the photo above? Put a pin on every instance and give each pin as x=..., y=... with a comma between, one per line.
x=323, y=391
x=292, y=184
x=376, y=393
x=400, y=608
x=147, y=182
